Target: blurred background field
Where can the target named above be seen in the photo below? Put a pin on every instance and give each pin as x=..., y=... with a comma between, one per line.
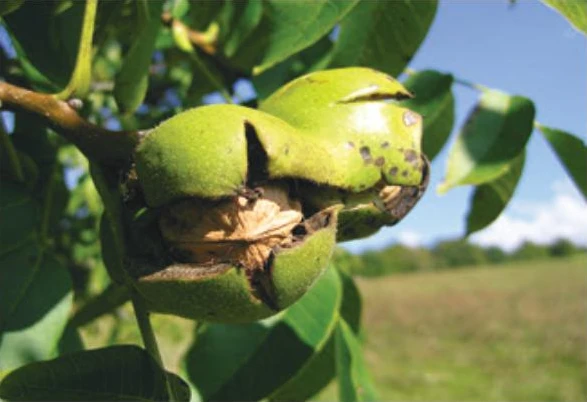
x=514, y=331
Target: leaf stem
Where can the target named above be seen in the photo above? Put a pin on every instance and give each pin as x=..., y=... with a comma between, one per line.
x=79, y=83
x=7, y=148
x=96, y=143
x=472, y=85
x=478, y=87
x=148, y=336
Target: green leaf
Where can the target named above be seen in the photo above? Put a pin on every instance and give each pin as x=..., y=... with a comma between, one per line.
x=179, y=8
x=313, y=58
x=71, y=341
x=111, y=230
x=383, y=34
x=203, y=12
x=36, y=300
x=494, y=134
x=352, y=304
x=132, y=81
x=571, y=152
x=246, y=16
x=18, y=214
x=55, y=199
x=288, y=27
x=32, y=137
x=51, y=59
x=117, y=373
x=434, y=100
x=490, y=199
x=81, y=77
x=105, y=302
x=8, y=6
x=575, y=11
x=321, y=368
x=248, y=362
x=355, y=383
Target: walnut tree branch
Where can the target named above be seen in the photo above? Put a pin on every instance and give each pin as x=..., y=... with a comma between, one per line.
x=97, y=143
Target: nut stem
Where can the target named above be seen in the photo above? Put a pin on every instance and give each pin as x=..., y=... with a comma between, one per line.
x=149, y=340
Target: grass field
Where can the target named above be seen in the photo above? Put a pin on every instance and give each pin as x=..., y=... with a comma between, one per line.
x=508, y=333
x=513, y=333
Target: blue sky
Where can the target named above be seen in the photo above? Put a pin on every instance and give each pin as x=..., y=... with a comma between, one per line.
x=528, y=49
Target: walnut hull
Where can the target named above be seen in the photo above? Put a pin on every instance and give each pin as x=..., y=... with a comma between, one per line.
x=237, y=260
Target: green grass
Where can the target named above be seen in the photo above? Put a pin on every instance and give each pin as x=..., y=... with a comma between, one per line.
x=508, y=333
x=515, y=333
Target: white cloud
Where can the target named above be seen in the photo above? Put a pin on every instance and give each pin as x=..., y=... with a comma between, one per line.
x=410, y=238
x=564, y=216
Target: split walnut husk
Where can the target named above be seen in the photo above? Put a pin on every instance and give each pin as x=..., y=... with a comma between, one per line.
x=237, y=259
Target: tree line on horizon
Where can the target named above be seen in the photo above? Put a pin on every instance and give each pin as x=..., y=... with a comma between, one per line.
x=447, y=254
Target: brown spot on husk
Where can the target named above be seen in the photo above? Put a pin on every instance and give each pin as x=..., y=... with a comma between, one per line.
x=366, y=154
x=410, y=156
x=398, y=200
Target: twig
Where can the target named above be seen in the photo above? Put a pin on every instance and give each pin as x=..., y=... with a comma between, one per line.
x=97, y=143
x=149, y=340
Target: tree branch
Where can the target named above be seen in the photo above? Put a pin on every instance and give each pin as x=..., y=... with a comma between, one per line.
x=97, y=143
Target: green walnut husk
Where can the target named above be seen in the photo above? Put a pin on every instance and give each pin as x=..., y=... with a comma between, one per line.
x=236, y=260
x=375, y=168
x=243, y=205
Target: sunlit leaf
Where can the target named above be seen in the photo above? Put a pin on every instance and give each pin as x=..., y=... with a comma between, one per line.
x=354, y=380
x=572, y=153
x=434, y=100
x=248, y=362
x=494, y=134
x=287, y=27
x=132, y=81
x=575, y=11
x=315, y=57
x=321, y=368
x=383, y=34
x=117, y=373
x=490, y=199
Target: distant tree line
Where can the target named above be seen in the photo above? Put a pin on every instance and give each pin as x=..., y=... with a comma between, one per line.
x=447, y=254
